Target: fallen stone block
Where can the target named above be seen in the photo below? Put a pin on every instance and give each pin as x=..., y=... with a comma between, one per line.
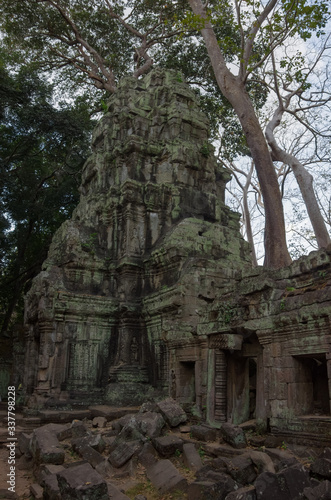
x=233, y=435
x=90, y=455
x=36, y=491
x=51, y=487
x=165, y=477
x=78, y=429
x=319, y=492
x=246, y=493
x=167, y=446
x=24, y=443
x=208, y=490
x=130, y=432
x=191, y=457
x=105, y=469
x=100, y=422
x=321, y=467
x=116, y=494
x=150, y=424
x=45, y=447
x=203, y=433
x=241, y=469
x=61, y=431
x=148, y=455
x=285, y=485
x=172, y=412
x=262, y=461
x=123, y=452
x=82, y=482
x=110, y=412
x=95, y=441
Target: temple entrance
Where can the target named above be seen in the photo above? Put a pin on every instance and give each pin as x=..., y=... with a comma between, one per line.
x=187, y=381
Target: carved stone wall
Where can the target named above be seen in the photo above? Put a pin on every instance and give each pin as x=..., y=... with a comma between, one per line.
x=273, y=329
x=147, y=248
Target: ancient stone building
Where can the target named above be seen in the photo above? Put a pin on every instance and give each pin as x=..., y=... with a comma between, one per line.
x=118, y=302
x=148, y=289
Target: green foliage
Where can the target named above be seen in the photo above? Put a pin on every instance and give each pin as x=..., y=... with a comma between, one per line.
x=42, y=151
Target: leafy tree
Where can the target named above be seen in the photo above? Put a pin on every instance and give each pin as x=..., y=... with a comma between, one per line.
x=42, y=150
x=101, y=40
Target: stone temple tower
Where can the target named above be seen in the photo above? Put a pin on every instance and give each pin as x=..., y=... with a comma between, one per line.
x=147, y=248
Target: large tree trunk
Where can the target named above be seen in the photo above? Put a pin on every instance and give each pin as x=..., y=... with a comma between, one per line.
x=247, y=216
x=276, y=253
x=303, y=178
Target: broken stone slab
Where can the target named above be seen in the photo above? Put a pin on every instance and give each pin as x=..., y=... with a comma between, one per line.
x=262, y=461
x=167, y=446
x=172, y=412
x=148, y=455
x=148, y=406
x=116, y=494
x=37, y=491
x=64, y=416
x=100, y=422
x=51, y=488
x=209, y=490
x=233, y=435
x=61, y=431
x=78, y=429
x=150, y=423
x=322, y=468
x=123, y=452
x=92, y=456
x=320, y=492
x=82, y=482
x=223, y=450
x=105, y=469
x=245, y=493
x=45, y=447
x=191, y=457
x=111, y=413
x=165, y=477
x=24, y=443
x=241, y=469
x=46, y=470
x=130, y=432
x=203, y=433
x=95, y=441
x=285, y=485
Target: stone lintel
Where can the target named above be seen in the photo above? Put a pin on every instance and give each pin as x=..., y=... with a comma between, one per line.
x=231, y=341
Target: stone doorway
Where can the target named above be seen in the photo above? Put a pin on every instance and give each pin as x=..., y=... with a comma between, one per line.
x=187, y=381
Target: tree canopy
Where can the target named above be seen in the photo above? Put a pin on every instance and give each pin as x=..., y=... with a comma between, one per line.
x=232, y=50
x=42, y=150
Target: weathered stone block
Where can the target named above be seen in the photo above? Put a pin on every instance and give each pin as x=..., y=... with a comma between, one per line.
x=165, y=477
x=45, y=447
x=233, y=435
x=241, y=469
x=51, y=487
x=203, y=433
x=209, y=490
x=36, y=491
x=246, y=493
x=82, y=482
x=322, y=467
x=172, y=412
x=191, y=457
x=90, y=455
x=96, y=442
x=168, y=445
x=319, y=492
x=123, y=452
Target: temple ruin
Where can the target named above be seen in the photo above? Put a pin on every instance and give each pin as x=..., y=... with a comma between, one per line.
x=148, y=290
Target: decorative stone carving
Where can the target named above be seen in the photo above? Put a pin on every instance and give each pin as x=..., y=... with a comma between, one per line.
x=132, y=269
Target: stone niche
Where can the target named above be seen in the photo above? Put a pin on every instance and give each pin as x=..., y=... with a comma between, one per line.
x=113, y=316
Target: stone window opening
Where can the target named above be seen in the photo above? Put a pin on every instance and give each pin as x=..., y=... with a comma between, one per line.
x=312, y=389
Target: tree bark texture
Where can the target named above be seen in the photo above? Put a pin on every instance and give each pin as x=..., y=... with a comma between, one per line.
x=303, y=178
x=276, y=253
